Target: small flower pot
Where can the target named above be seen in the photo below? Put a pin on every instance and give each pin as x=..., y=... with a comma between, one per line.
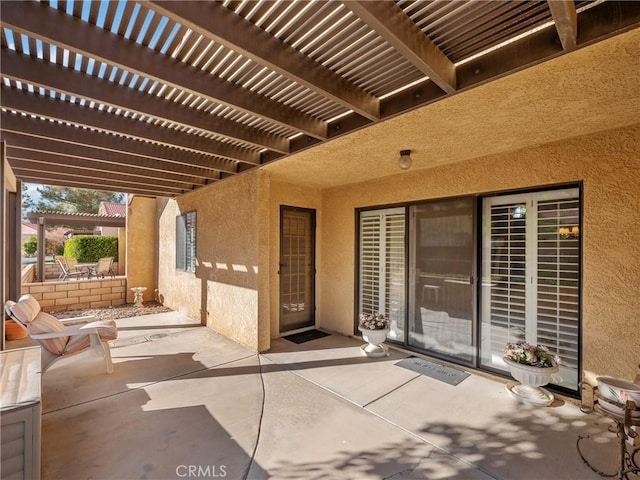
x=375, y=339
x=13, y=331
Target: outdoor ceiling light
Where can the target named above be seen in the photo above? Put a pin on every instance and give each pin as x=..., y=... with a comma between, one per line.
x=404, y=162
x=519, y=212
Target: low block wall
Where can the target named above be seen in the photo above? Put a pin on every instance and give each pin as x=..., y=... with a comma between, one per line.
x=28, y=274
x=79, y=294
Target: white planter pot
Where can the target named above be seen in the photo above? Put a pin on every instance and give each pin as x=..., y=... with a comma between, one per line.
x=375, y=339
x=531, y=379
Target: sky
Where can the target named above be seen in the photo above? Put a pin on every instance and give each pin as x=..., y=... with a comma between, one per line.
x=33, y=192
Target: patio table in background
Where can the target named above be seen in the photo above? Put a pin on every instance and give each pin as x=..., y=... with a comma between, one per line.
x=86, y=268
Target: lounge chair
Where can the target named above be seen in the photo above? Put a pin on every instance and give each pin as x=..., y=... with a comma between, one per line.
x=62, y=338
x=67, y=270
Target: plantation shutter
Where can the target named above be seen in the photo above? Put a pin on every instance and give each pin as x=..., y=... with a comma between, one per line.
x=382, y=265
x=558, y=278
x=507, y=311
x=181, y=236
x=370, y=262
x=186, y=242
x=190, y=248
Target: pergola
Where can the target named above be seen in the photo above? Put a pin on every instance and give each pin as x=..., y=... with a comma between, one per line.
x=160, y=98
x=42, y=219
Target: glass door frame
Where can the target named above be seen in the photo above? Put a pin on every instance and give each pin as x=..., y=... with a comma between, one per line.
x=478, y=199
x=312, y=271
x=412, y=274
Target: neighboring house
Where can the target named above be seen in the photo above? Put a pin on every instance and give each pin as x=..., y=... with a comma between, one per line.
x=27, y=231
x=524, y=226
x=111, y=209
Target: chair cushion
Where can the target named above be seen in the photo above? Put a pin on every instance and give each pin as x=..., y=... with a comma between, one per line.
x=45, y=323
x=77, y=343
x=26, y=309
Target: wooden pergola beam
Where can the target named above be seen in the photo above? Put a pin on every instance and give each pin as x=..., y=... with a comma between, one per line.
x=33, y=104
x=392, y=24
x=566, y=20
x=55, y=77
x=221, y=25
x=51, y=25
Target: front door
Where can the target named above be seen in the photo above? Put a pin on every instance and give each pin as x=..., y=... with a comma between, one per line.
x=297, y=268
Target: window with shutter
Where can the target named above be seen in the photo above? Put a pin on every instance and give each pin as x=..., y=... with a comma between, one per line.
x=186, y=242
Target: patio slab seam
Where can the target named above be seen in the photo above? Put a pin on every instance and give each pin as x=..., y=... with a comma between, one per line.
x=147, y=384
x=290, y=368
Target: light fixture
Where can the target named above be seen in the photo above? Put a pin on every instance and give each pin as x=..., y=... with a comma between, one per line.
x=519, y=212
x=569, y=232
x=404, y=162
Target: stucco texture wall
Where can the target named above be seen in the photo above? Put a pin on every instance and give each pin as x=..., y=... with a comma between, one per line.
x=607, y=164
x=141, y=246
x=223, y=292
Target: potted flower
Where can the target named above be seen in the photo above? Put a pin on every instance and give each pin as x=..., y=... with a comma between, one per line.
x=374, y=328
x=532, y=366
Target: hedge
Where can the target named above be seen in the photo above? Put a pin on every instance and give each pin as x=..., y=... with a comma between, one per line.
x=89, y=248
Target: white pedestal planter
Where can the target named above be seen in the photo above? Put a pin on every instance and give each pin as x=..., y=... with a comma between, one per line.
x=374, y=346
x=531, y=379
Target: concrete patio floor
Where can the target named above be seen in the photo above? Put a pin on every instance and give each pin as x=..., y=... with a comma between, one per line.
x=185, y=402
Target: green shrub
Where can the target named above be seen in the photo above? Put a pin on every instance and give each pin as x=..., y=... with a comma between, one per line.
x=89, y=248
x=30, y=247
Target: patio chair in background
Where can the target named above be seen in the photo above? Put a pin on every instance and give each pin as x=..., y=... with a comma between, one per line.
x=62, y=338
x=103, y=267
x=66, y=271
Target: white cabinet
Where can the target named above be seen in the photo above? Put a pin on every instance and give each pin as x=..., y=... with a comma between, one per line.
x=20, y=410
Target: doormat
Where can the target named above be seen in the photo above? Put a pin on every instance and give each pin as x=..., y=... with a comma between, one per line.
x=446, y=374
x=307, y=336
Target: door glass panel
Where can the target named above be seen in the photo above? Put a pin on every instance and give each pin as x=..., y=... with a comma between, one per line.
x=297, y=269
x=442, y=295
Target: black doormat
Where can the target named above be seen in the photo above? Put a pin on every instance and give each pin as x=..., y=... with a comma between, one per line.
x=307, y=336
x=446, y=374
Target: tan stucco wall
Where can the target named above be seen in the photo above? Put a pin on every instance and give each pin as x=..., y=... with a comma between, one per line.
x=585, y=91
x=229, y=239
x=141, y=243
x=540, y=126
x=609, y=165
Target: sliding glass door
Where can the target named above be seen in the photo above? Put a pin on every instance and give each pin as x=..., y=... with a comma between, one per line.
x=442, y=259
x=425, y=279
x=531, y=276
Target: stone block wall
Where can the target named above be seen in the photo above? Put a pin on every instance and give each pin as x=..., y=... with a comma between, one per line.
x=78, y=294
x=28, y=274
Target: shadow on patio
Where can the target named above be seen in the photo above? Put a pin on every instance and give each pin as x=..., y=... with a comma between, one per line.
x=186, y=402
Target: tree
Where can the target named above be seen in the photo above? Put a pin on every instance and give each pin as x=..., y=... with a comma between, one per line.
x=27, y=201
x=54, y=242
x=78, y=200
